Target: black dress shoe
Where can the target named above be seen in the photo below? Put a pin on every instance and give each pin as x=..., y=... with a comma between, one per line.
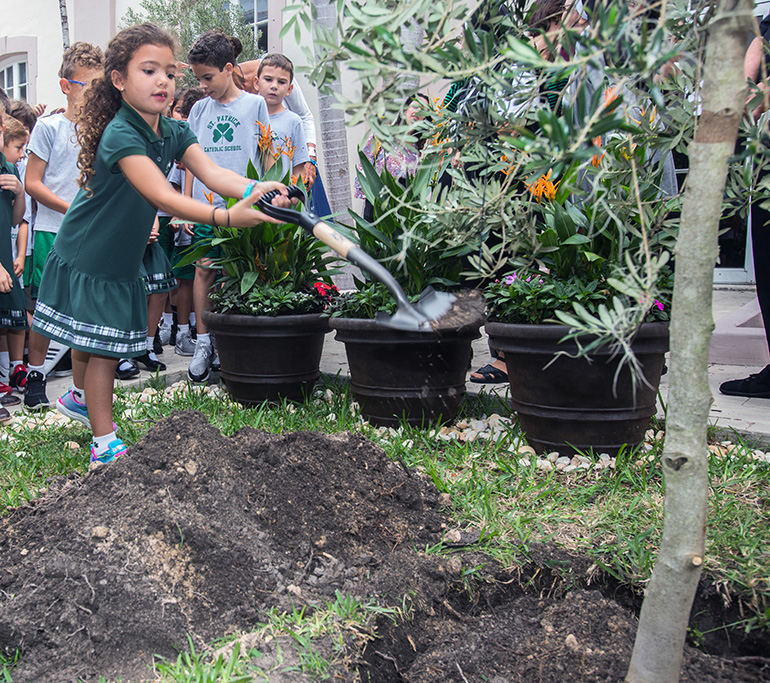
x=126, y=369
x=152, y=364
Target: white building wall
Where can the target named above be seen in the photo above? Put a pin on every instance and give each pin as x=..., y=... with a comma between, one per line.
x=36, y=31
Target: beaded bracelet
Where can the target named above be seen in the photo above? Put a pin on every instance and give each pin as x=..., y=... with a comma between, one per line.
x=249, y=188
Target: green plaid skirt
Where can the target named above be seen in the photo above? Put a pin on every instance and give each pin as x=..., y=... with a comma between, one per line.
x=89, y=313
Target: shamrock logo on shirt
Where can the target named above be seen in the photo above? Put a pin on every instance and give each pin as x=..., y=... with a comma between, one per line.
x=223, y=130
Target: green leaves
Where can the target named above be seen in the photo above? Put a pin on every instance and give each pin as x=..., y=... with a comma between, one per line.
x=406, y=235
x=263, y=257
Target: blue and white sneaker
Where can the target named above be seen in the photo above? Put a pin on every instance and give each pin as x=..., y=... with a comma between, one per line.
x=115, y=449
x=68, y=405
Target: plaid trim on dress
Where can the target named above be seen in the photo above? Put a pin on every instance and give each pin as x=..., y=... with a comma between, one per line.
x=87, y=336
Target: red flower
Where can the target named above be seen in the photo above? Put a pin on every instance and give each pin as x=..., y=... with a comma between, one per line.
x=325, y=290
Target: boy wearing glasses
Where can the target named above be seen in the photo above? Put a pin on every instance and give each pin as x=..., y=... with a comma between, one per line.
x=52, y=172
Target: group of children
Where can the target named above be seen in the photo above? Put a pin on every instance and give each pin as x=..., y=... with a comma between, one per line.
x=99, y=173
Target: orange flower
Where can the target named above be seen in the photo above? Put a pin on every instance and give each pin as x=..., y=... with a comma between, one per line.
x=543, y=187
x=265, y=137
x=510, y=166
x=610, y=95
x=596, y=158
x=209, y=196
x=288, y=149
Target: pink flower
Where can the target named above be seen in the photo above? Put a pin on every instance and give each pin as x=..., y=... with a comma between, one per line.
x=509, y=279
x=659, y=305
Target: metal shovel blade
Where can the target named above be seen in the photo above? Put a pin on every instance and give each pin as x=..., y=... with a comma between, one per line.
x=422, y=316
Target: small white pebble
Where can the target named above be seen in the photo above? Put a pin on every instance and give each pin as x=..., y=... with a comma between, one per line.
x=524, y=462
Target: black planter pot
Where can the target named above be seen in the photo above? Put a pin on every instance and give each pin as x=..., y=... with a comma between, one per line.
x=266, y=358
x=419, y=376
x=573, y=404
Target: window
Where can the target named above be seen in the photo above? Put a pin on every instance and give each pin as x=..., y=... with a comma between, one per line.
x=255, y=13
x=13, y=79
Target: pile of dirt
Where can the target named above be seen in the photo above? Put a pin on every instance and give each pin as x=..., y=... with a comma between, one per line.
x=197, y=533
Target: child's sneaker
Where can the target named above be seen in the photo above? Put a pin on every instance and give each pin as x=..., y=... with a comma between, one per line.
x=185, y=344
x=115, y=449
x=163, y=335
x=5, y=389
x=64, y=367
x=68, y=405
x=19, y=377
x=34, y=392
x=200, y=365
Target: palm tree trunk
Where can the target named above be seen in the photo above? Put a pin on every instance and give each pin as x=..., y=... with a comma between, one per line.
x=334, y=142
x=332, y=125
x=65, y=25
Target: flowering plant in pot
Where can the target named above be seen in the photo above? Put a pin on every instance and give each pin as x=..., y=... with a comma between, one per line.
x=418, y=376
x=266, y=315
x=579, y=108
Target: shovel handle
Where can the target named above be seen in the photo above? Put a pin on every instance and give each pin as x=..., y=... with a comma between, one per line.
x=331, y=238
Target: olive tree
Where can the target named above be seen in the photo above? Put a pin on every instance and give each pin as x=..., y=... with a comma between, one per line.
x=665, y=612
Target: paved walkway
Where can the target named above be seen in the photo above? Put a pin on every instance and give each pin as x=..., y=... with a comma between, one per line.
x=748, y=417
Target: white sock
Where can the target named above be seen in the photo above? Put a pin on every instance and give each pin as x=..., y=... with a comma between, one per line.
x=36, y=368
x=101, y=443
x=192, y=318
x=5, y=360
x=150, y=343
x=204, y=338
x=183, y=329
x=168, y=320
x=79, y=394
x=15, y=364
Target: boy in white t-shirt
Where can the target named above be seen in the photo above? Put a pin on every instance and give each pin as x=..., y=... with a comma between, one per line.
x=274, y=82
x=52, y=173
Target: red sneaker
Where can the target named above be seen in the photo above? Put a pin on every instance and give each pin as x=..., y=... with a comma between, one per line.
x=19, y=377
x=5, y=389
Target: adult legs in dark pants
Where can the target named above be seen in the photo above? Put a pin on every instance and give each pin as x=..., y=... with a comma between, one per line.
x=757, y=385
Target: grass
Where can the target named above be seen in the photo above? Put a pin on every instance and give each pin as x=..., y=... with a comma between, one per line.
x=613, y=516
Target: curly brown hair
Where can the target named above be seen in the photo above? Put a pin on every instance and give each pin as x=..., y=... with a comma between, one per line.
x=103, y=100
x=80, y=54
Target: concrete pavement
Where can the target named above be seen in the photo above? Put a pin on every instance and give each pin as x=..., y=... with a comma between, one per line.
x=733, y=344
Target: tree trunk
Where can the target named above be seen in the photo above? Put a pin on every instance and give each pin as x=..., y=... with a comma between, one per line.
x=334, y=143
x=65, y=25
x=332, y=126
x=657, y=654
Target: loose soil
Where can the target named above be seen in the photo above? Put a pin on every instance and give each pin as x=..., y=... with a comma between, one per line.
x=197, y=533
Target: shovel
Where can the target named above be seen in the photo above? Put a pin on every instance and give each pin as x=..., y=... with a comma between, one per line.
x=422, y=316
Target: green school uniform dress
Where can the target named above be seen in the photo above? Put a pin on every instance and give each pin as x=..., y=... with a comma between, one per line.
x=157, y=272
x=92, y=297
x=13, y=313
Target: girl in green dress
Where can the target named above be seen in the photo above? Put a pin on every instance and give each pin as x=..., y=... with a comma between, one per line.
x=91, y=296
x=13, y=315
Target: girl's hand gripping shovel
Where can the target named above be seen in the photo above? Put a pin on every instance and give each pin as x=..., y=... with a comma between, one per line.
x=416, y=317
